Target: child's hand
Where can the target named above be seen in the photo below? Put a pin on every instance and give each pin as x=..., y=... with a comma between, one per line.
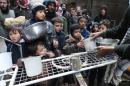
x=19, y=63
x=95, y=35
x=42, y=53
x=55, y=43
x=80, y=45
x=50, y=54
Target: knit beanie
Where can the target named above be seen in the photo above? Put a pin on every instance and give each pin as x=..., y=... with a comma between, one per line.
x=36, y=7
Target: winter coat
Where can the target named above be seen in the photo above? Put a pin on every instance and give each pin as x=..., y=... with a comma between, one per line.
x=61, y=39
x=15, y=49
x=85, y=33
x=71, y=46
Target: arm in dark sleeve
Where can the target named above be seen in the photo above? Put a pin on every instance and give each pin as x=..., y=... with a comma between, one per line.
x=69, y=48
x=119, y=31
x=123, y=51
x=50, y=34
x=97, y=19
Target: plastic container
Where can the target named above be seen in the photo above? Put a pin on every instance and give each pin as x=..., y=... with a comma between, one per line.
x=89, y=44
x=33, y=65
x=5, y=61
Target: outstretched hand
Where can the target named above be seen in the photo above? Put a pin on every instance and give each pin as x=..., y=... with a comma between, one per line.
x=95, y=35
x=104, y=50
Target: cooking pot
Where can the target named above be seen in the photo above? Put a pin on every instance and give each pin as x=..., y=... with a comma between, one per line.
x=89, y=44
x=33, y=65
x=35, y=31
x=5, y=61
x=106, y=42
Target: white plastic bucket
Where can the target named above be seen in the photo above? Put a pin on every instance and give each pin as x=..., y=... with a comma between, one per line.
x=5, y=61
x=33, y=65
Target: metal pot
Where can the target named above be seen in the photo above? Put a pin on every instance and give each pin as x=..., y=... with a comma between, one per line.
x=106, y=42
x=35, y=31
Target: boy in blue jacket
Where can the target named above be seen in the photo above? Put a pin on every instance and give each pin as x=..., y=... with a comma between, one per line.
x=15, y=36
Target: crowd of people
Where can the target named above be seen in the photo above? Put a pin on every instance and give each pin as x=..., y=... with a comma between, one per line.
x=67, y=28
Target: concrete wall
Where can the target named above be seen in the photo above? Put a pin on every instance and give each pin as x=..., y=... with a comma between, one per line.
x=116, y=8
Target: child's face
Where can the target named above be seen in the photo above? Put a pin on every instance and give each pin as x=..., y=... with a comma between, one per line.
x=40, y=15
x=15, y=36
x=82, y=22
x=102, y=27
x=58, y=26
x=41, y=50
x=96, y=28
x=77, y=33
x=73, y=12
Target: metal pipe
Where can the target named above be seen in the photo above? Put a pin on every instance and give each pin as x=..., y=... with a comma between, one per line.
x=9, y=41
x=21, y=53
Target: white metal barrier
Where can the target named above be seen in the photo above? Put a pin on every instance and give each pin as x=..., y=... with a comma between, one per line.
x=61, y=68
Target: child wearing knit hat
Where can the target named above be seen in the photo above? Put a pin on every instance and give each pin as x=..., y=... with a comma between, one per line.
x=39, y=15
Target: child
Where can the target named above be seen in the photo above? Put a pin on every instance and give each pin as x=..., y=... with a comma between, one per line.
x=83, y=25
x=74, y=43
x=15, y=36
x=99, y=73
x=73, y=16
x=95, y=27
x=104, y=25
x=37, y=48
x=39, y=15
x=58, y=27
